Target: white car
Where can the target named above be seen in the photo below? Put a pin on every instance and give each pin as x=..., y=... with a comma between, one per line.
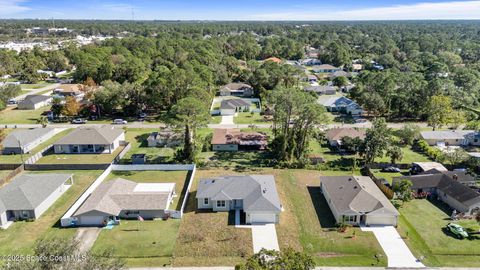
x=119, y=122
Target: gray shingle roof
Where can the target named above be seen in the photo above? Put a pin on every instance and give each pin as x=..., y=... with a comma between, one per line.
x=91, y=135
x=25, y=137
x=234, y=87
x=445, y=134
x=258, y=192
x=234, y=103
x=28, y=191
x=34, y=99
x=114, y=196
x=357, y=194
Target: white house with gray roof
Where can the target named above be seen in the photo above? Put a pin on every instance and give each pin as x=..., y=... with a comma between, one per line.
x=28, y=196
x=90, y=140
x=23, y=141
x=256, y=195
x=356, y=200
x=451, y=137
x=33, y=102
x=120, y=198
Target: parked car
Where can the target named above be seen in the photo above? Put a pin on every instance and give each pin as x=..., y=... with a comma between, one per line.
x=457, y=230
x=12, y=102
x=391, y=169
x=79, y=121
x=142, y=115
x=360, y=121
x=119, y=122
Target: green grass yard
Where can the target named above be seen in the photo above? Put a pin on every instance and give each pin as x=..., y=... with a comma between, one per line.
x=20, y=237
x=148, y=243
x=249, y=118
x=138, y=140
x=424, y=223
x=52, y=158
x=15, y=116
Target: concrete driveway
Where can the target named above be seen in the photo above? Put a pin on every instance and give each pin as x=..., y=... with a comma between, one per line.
x=394, y=247
x=86, y=238
x=264, y=236
x=227, y=120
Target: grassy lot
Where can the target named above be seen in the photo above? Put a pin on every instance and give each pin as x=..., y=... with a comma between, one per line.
x=138, y=140
x=388, y=175
x=236, y=160
x=18, y=158
x=14, y=116
x=148, y=243
x=35, y=85
x=249, y=118
x=215, y=119
x=21, y=236
x=177, y=177
x=208, y=239
x=52, y=158
x=409, y=156
x=425, y=222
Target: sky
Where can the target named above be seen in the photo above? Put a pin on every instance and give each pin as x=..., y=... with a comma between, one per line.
x=267, y=10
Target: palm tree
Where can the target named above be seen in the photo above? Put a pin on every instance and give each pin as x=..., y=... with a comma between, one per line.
x=42, y=121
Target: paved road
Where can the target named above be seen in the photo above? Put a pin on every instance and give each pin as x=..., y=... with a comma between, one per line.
x=36, y=91
x=398, y=254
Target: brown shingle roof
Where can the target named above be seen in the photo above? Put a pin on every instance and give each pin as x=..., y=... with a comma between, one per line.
x=339, y=133
x=235, y=136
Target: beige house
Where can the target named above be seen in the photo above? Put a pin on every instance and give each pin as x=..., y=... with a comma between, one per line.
x=451, y=137
x=357, y=201
x=230, y=140
x=123, y=199
x=335, y=135
x=90, y=140
x=236, y=89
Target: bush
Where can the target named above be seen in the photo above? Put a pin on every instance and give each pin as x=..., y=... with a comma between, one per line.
x=432, y=152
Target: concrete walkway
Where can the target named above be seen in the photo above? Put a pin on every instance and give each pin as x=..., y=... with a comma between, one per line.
x=397, y=252
x=227, y=120
x=264, y=236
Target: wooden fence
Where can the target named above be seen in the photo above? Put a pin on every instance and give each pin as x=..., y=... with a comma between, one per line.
x=11, y=175
x=386, y=190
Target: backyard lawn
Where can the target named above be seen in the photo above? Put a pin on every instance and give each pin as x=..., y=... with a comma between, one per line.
x=20, y=237
x=138, y=140
x=177, y=177
x=9, y=159
x=147, y=243
x=52, y=158
x=425, y=222
x=388, y=175
x=249, y=118
x=14, y=116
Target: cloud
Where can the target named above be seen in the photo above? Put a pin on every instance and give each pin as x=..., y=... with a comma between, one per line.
x=12, y=6
x=419, y=11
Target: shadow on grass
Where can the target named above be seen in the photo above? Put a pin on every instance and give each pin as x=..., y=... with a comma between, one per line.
x=324, y=214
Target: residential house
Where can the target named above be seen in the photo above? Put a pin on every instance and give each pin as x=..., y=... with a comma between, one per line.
x=321, y=89
x=28, y=196
x=340, y=73
x=123, y=199
x=71, y=90
x=90, y=140
x=167, y=138
x=451, y=137
x=25, y=140
x=325, y=68
x=449, y=187
x=235, y=140
x=310, y=62
x=255, y=195
x=234, y=105
x=342, y=105
x=420, y=167
x=312, y=78
x=33, y=102
x=357, y=201
x=237, y=89
x=335, y=135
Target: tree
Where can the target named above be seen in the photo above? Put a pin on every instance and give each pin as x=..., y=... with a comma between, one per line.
x=439, y=110
x=352, y=145
x=403, y=190
x=71, y=107
x=340, y=81
x=189, y=114
x=408, y=133
x=377, y=140
x=63, y=253
x=42, y=121
x=395, y=153
x=456, y=156
x=277, y=260
x=457, y=118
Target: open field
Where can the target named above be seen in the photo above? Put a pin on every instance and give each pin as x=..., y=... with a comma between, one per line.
x=18, y=158
x=15, y=116
x=138, y=140
x=177, y=177
x=21, y=236
x=423, y=223
x=52, y=158
x=148, y=243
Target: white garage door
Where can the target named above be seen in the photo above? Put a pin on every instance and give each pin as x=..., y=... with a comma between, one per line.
x=262, y=218
x=91, y=220
x=381, y=220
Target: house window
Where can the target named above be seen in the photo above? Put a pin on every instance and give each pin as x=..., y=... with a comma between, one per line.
x=350, y=218
x=205, y=201
x=221, y=204
x=476, y=140
x=25, y=214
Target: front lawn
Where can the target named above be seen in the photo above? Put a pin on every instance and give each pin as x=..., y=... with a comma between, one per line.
x=249, y=118
x=147, y=243
x=138, y=141
x=14, y=116
x=409, y=156
x=52, y=158
x=20, y=237
x=177, y=177
x=424, y=224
